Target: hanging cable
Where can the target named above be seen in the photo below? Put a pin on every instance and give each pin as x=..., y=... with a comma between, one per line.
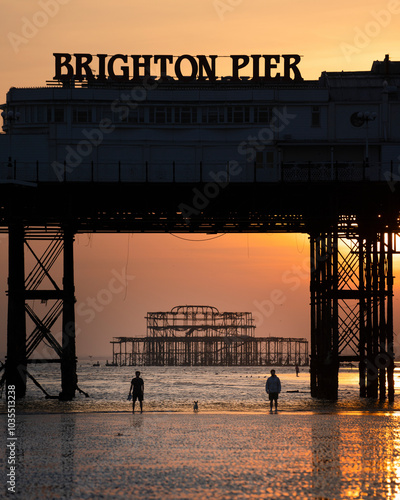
x=126, y=267
x=203, y=239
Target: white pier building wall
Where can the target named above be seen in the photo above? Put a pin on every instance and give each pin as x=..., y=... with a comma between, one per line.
x=187, y=132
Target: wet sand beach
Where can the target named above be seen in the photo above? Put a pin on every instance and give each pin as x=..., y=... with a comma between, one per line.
x=231, y=455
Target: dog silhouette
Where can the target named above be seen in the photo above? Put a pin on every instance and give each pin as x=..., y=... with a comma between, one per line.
x=195, y=406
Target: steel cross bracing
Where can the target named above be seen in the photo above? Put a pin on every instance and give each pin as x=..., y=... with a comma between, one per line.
x=45, y=251
x=352, y=310
x=351, y=303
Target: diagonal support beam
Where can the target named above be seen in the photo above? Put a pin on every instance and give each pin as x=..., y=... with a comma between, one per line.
x=324, y=363
x=40, y=270
x=43, y=329
x=352, y=309
x=21, y=291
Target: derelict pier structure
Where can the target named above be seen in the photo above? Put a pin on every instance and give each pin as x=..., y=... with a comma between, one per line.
x=203, y=336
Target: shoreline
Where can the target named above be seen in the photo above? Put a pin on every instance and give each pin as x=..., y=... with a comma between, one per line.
x=372, y=411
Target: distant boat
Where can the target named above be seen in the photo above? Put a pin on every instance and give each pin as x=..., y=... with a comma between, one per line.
x=111, y=364
x=96, y=364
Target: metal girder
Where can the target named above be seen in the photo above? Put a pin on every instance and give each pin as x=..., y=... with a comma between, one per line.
x=352, y=309
x=25, y=290
x=204, y=350
x=324, y=362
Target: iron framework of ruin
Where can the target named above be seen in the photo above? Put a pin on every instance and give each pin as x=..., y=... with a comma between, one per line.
x=202, y=336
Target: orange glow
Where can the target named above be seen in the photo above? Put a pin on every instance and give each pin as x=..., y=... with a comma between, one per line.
x=331, y=37
x=234, y=272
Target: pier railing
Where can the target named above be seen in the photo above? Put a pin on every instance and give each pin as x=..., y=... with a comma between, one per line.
x=191, y=172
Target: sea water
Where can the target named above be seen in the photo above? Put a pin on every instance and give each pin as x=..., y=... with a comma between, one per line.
x=93, y=447
x=174, y=389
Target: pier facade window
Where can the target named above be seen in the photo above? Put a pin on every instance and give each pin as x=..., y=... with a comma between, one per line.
x=34, y=114
x=81, y=114
x=41, y=114
x=106, y=113
x=55, y=114
x=259, y=159
x=262, y=114
x=126, y=115
x=185, y=114
x=59, y=115
x=213, y=114
x=316, y=116
x=265, y=159
x=238, y=114
x=28, y=114
x=160, y=114
x=136, y=115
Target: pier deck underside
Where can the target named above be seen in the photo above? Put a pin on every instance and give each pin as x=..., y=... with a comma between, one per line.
x=329, y=212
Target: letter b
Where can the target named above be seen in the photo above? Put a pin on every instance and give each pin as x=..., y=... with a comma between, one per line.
x=62, y=61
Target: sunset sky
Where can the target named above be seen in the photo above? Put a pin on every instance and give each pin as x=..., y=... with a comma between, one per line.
x=231, y=272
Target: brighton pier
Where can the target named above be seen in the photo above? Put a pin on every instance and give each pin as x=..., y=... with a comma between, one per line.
x=321, y=158
x=185, y=68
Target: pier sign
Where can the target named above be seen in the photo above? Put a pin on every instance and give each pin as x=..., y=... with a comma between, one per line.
x=184, y=68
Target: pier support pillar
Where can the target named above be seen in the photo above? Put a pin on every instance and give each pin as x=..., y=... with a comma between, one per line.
x=389, y=312
x=16, y=323
x=68, y=356
x=352, y=309
x=376, y=346
x=324, y=362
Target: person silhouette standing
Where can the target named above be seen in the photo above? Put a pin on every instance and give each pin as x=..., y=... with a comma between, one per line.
x=137, y=391
x=273, y=388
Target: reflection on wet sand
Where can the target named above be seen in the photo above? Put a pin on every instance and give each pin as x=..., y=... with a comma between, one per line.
x=209, y=455
x=356, y=454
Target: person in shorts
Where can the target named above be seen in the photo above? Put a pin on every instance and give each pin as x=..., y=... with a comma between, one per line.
x=137, y=391
x=273, y=388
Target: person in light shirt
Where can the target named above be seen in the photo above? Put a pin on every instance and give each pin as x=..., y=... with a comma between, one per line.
x=273, y=388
